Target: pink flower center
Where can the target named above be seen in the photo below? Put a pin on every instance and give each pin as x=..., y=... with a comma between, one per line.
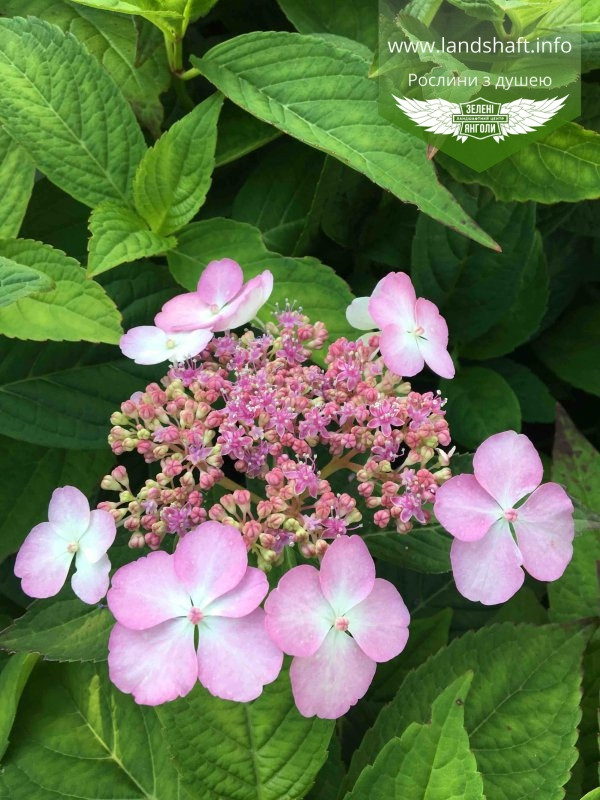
x=341, y=624
x=170, y=343
x=72, y=547
x=511, y=514
x=214, y=309
x=195, y=616
x=419, y=331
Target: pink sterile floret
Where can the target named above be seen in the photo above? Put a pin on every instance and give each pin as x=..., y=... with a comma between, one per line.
x=337, y=623
x=479, y=510
x=221, y=301
x=413, y=333
x=72, y=531
x=205, y=588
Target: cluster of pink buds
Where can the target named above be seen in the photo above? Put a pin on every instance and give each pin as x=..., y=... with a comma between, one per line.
x=252, y=411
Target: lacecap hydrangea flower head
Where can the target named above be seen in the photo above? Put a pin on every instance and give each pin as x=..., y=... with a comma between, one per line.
x=260, y=457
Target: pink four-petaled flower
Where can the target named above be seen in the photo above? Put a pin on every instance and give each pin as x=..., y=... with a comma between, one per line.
x=337, y=623
x=205, y=589
x=413, y=332
x=72, y=531
x=479, y=510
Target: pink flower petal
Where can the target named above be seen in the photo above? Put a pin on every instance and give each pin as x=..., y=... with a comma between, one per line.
x=220, y=282
x=69, y=513
x=243, y=308
x=393, y=302
x=508, y=467
x=465, y=509
x=347, y=573
x=488, y=570
x=434, y=340
x=186, y=312
x=243, y=598
x=358, y=315
x=99, y=536
x=90, y=581
x=147, y=592
x=236, y=657
x=210, y=561
x=545, y=531
x=379, y=624
x=43, y=561
x=155, y=665
x=332, y=680
x=400, y=351
x=151, y=345
x=298, y=615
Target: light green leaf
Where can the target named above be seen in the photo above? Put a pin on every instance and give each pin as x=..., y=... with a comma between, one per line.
x=480, y=9
x=576, y=466
x=174, y=176
x=111, y=38
x=17, y=172
x=321, y=293
x=425, y=549
x=355, y=19
x=13, y=677
x=480, y=403
x=17, y=280
x=473, y=287
x=565, y=165
x=35, y=472
x=239, y=133
x=76, y=736
x=75, y=309
x=62, y=395
x=570, y=348
x=521, y=714
x=319, y=92
x=535, y=400
x=582, y=16
x=168, y=19
x=120, y=236
x=423, y=10
x=429, y=761
x=264, y=750
x=523, y=318
x=59, y=104
x=284, y=204
x=61, y=628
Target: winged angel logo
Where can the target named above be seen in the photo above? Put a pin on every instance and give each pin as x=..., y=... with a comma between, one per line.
x=480, y=119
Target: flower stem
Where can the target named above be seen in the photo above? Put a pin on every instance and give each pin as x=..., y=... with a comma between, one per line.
x=340, y=463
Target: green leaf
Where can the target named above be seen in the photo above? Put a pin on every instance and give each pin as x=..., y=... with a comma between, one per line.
x=59, y=104
x=480, y=9
x=319, y=92
x=239, y=133
x=473, y=287
x=321, y=293
x=174, y=176
x=35, y=472
x=284, y=204
x=429, y=761
x=535, y=400
x=576, y=466
x=168, y=17
x=13, y=678
x=521, y=714
x=264, y=750
x=355, y=19
x=331, y=774
x=62, y=395
x=17, y=173
x=425, y=549
x=570, y=348
x=17, y=280
x=111, y=38
x=61, y=629
x=480, y=403
x=120, y=236
x=564, y=165
x=76, y=736
x=75, y=309
x=522, y=320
